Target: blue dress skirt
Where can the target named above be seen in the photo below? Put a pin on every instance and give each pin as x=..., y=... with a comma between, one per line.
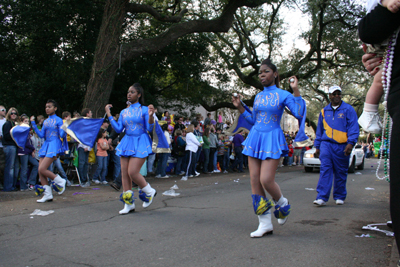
x=51, y=148
x=135, y=146
x=265, y=145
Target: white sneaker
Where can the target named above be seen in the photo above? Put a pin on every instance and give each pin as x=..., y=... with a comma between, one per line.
x=164, y=177
x=370, y=122
x=104, y=182
x=319, y=202
x=87, y=184
x=217, y=171
x=184, y=178
x=190, y=176
x=182, y=173
x=197, y=173
x=294, y=164
x=96, y=181
x=225, y=171
x=158, y=176
x=339, y=202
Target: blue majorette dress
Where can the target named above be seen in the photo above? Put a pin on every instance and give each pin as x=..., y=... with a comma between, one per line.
x=266, y=139
x=51, y=132
x=136, y=142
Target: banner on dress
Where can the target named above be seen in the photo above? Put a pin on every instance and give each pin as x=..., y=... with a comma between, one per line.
x=19, y=134
x=84, y=130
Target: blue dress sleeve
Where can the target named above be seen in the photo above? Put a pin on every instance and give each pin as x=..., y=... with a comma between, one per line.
x=40, y=133
x=61, y=132
x=148, y=127
x=117, y=125
x=249, y=117
x=296, y=104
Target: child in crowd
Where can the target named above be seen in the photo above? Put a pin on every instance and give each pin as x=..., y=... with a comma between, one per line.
x=221, y=151
x=227, y=146
x=369, y=119
x=101, y=157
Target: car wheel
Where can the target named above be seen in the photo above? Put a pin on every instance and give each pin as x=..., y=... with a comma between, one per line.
x=352, y=166
x=308, y=169
x=361, y=166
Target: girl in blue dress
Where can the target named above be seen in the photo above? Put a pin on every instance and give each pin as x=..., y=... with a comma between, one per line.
x=137, y=120
x=52, y=147
x=266, y=144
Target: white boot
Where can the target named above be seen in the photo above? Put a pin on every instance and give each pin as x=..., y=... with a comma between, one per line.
x=47, y=194
x=265, y=226
x=147, y=194
x=59, y=184
x=127, y=208
x=127, y=197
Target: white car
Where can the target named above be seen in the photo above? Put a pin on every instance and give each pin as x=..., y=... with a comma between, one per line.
x=356, y=159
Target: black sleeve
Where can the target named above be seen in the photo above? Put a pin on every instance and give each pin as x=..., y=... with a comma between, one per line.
x=378, y=25
x=7, y=131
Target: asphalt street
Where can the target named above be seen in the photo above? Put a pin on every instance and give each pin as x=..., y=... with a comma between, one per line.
x=208, y=224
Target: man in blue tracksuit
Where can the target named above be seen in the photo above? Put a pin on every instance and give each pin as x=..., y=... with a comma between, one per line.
x=337, y=133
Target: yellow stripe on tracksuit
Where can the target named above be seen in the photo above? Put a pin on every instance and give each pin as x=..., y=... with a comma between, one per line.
x=338, y=136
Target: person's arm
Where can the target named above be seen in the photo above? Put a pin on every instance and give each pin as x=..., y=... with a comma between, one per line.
x=61, y=132
x=318, y=135
x=353, y=130
x=150, y=118
x=378, y=25
x=295, y=102
x=40, y=133
x=7, y=131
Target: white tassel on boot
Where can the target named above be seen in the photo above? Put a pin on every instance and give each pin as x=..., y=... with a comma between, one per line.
x=47, y=195
x=59, y=185
x=128, y=197
x=265, y=226
x=148, y=196
x=282, y=202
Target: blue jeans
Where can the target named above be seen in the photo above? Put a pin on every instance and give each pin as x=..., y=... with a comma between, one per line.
x=206, y=152
x=226, y=161
x=117, y=167
x=180, y=164
x=238, y=158
x=83, y=165
x=101, y=168
x=150, y=162
x=215, y=160
x=197, y=157
x=25, y=159
x=213, y=151
x=11, y=169
x=58, y=165
x=162, y=164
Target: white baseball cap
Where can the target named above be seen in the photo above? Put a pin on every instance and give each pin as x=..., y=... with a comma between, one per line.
x=334, y=88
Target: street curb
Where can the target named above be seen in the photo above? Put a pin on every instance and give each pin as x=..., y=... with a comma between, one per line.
x=394, y=256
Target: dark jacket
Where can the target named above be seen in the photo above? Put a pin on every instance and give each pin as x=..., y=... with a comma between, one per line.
x=7, y=139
